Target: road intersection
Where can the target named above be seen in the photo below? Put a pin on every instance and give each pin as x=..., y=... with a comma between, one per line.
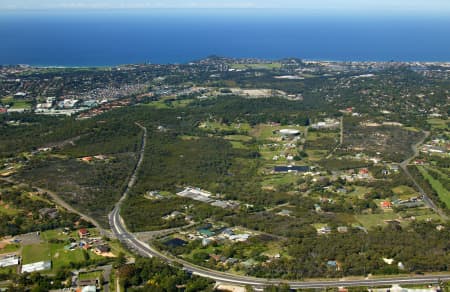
x=121, y=232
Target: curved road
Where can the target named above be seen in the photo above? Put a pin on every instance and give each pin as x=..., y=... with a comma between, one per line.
x=404, y=166
x=119, y=229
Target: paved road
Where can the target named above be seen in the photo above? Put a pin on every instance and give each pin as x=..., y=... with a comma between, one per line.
x=120, y=231
x=59, y=201
x=404, y=166
x=341, y=137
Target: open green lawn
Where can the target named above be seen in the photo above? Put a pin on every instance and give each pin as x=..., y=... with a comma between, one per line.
x=181, y=103
x=345, y=217
x=315, y=135
x=17, y=103
x=55, y=251
x=280, y=179
x=420, y=214
x=315, y=155
x=360, y=192
x=267, y=66
x=404, y=192
x=63, y=258
x=7, y=99
x=216, y=126
x=438, y=123
x=238, y=145
x=36, y=253
x=241, y=138
x=90, y=275
x=157, y=104
x=8, y=210
x=188, y=137
x=442, y=192
x=10, y=248
x=21, y=105
x=412, y=129
x=373, y=220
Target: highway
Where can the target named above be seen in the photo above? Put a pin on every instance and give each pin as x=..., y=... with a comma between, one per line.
x=119, y=229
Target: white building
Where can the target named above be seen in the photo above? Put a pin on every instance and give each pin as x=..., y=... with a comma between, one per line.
x=38, y=266
x=7, y=261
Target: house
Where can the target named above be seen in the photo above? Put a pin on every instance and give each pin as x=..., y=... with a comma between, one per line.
x=102, y=249
x=90, y=103
x=9, y=260
x=285, y=212
x=206, y=241
x=215, y=257
x=227, y=232
x=83, y=233
x=173, y=215
x=36, y=267
x=317, y=208
x=20, y=95
x=324, y=230
x=51, y=213
x=231, y=261
x=87, y=159
x=363, y=171
x=334, y=265
x=240, y=237
x=71, y=246
x=386, y=205
x=342, y=229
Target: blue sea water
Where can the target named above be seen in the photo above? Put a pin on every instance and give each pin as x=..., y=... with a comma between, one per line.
x=81, y=38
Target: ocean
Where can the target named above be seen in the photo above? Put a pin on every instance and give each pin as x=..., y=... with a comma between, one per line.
x=104, y=38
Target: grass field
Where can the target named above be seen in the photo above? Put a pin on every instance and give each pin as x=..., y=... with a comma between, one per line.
x=315, y=155
x=216, y=126
x=21, y=104
x=63, y=258
x=373, y=220
x=238, y=145
x=7, y=99
x=404, y=192
x=267, y=66
x=280, y=179
x=8, y=210
x=17, y=103
x=241, y=138
x=269, y=132
x=10, y=248
x=360, y=192
x=313, y=136
x=55, y=251
x=90, y=275
x=442, y=192
x=438, y=123
x=36, y=253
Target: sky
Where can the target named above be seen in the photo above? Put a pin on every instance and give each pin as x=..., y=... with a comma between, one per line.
x=351, y=6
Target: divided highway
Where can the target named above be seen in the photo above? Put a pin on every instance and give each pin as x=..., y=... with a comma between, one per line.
x=119, y=229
